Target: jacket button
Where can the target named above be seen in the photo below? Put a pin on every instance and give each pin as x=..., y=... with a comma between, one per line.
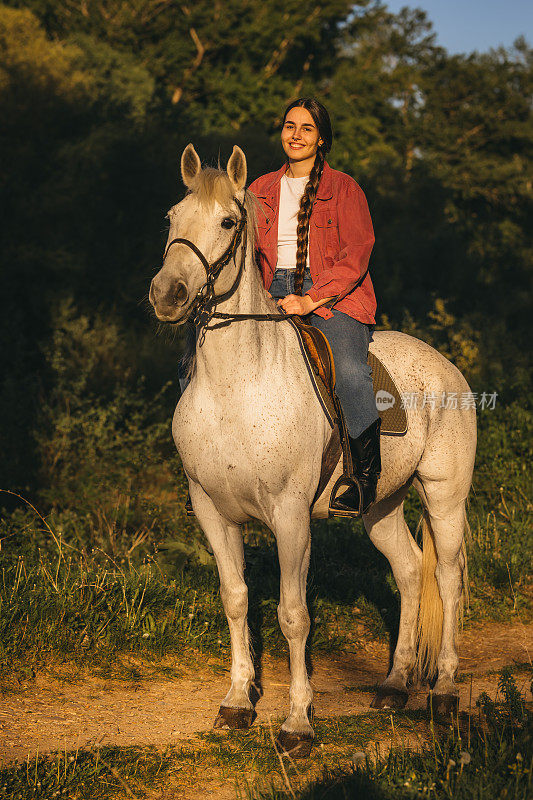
x=268, y=219
x=329, y=222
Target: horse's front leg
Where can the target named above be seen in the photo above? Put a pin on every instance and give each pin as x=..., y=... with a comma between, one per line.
x=292, y=531
x=226, y=541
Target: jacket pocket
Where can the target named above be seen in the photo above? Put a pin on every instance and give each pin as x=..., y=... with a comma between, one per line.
x=265, y=217
x=327, y=231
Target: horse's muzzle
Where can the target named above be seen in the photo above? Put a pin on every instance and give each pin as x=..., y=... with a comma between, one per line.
x=168, y=300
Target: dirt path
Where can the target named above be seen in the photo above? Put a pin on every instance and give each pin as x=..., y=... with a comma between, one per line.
x=48, y=714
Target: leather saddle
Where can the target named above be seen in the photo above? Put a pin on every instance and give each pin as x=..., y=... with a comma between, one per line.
x=320, y=363
x=321, y=367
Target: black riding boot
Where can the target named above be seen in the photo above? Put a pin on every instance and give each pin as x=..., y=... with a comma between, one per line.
x=360, y=494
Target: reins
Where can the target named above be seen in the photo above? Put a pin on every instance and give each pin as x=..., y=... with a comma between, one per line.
x=259, y=317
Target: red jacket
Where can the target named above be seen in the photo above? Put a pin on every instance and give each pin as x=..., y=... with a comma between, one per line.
x=341, y=238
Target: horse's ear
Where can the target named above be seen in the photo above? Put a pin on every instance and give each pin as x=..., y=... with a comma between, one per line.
x=190, y=165
x=237, y=169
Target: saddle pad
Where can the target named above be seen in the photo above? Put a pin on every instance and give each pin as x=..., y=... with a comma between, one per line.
x=388, y=400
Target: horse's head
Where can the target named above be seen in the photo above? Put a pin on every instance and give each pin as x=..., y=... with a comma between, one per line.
x=207, y=218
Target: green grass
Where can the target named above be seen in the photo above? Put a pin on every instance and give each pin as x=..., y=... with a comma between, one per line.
x=98, y=774
x=380, y=755
x=486, y=758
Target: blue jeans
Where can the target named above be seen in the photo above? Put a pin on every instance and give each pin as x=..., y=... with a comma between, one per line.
x=349, y=340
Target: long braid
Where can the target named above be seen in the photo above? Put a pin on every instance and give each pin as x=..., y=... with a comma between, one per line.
x=304, y=215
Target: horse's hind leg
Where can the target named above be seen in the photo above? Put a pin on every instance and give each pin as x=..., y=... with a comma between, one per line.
x=446, y=515
x=388, y=531
x=292, y=532
x=226, y=541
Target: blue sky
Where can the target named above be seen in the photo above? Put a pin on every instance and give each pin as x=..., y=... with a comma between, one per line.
x=465, y=25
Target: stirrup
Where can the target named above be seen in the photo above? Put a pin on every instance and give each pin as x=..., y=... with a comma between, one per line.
x=349, y=483
x=188, y=506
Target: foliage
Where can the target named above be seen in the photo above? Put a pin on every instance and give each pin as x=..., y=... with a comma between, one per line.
x=91, y=609
x=98, y=435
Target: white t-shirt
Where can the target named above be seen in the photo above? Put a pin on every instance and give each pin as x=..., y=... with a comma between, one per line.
x=291, y=192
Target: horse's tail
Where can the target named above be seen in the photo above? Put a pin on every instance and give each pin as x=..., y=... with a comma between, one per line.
x=430, y=614
x=429, y=629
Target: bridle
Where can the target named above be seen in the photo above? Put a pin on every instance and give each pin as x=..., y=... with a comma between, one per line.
x=206, y=296
x=202, y=309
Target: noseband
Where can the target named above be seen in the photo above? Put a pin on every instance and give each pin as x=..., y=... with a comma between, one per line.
x=199, y=311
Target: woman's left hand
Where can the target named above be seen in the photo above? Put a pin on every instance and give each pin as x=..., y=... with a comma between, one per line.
x=294, y=304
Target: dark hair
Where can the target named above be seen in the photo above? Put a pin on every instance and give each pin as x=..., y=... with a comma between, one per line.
x=323, y=123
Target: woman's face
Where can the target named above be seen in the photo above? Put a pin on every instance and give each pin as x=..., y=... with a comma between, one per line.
x=299, y=136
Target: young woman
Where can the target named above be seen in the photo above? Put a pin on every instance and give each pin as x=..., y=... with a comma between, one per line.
x=314, y=242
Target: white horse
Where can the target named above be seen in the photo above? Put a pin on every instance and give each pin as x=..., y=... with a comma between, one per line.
x=251, y=434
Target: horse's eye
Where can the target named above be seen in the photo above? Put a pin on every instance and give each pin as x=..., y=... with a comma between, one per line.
x=228, y=223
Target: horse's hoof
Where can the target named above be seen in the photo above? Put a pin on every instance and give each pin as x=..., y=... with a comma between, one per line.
x=295, y=745
x=236, y=718
x=443, y=705
x=389, y=697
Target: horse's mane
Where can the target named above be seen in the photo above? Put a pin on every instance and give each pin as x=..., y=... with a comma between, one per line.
x=214, y=186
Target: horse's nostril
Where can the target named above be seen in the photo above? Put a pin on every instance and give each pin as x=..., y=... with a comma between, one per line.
x=180, y=294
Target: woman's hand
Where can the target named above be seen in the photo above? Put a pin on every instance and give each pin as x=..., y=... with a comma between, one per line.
x=294, y=304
